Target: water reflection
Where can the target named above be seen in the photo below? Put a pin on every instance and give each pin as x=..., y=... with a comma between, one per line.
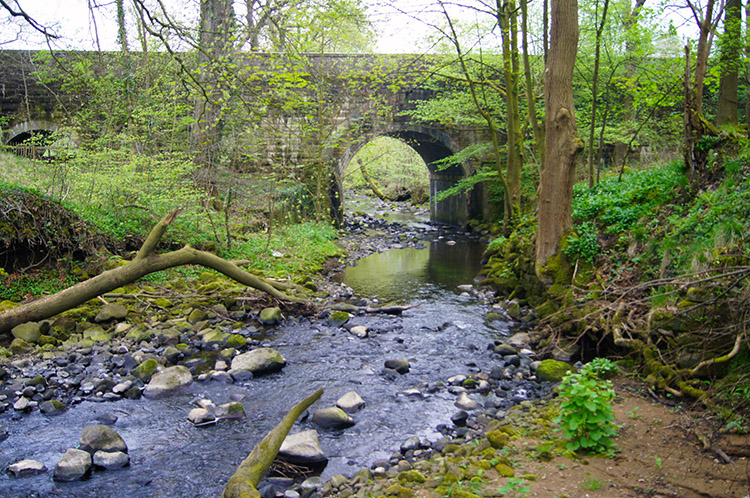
x=402, y=275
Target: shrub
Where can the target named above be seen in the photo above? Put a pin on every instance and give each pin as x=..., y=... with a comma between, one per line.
x=586, y=415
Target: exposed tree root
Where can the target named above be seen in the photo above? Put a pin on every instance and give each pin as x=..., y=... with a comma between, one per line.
x=144, y=263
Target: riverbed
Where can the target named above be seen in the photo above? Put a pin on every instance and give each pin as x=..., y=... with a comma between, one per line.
x=444, y=333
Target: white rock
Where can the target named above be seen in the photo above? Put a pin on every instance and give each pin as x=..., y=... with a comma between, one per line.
x=360, y=331
x=111, y=459
x=302, y=448
x=464, y=402
x=350, y=402
x=201, y=416
x=73, y=465
x=168, y=381
x=26, y=468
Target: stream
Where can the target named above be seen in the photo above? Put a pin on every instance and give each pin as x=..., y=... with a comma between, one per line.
x=444, y=334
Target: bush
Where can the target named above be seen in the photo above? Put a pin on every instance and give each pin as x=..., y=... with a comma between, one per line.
x=586, y=414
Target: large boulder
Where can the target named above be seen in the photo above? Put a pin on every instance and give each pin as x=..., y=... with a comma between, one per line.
x=111, y=311
x=258, y=361
x=73, y=465
x=169, y=381
x=303, y=448
x=101, y=437
x=29, y=332
x=332, y=418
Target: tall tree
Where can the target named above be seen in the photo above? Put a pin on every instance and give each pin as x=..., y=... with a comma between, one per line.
x=696, y=126
x=594, y=89
x=562, y=140
x=214, y=52
x=731, y=45
x=507, y=18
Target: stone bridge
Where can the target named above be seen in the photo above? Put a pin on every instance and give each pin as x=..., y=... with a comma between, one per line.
x=29, y=107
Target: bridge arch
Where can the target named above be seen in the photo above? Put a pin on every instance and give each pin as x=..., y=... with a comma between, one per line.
x=432, y=145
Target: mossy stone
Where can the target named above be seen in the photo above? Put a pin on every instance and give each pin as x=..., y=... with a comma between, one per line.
x=19, y=346
x=399, y=491
x=498, y=439
x=46, y=339
x=504, y=470
x=236, y=341
x=197, y=315
x=338, y=318
x=163, y=302
x=29, y=332
x=414, y=476
x=270, y=316
x=552, y=370
x=146, y=369
x=139, y=334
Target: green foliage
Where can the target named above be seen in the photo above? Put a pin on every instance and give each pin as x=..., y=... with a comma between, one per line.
x=394, y=166
x=586, y=414
x=515, y=487
x=304, y=248
x=583, y=243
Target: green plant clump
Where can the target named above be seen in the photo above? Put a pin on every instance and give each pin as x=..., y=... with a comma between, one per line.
x=586, y=414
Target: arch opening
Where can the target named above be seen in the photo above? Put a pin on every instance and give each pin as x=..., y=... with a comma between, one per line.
x=455, y=209
x=390, y=169
x=33, y=144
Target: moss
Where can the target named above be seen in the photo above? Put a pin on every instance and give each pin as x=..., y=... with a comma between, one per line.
x=236, y=341
x=454, y=449
x=146, y=370
x=504, y=470
x=339, y=318
x=399, y=491
x=163, y=302
x=498, y=439
x=552, y=370
x=411, y=476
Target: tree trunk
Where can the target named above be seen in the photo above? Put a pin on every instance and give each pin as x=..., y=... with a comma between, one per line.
x=507, y=19
x=696, y=125
x=563, y=142
x=370, y=181
x=530, y=93
x=594, y=89
x=144, y=263
x=730, y=61
x=244, y=482
x=215, y=45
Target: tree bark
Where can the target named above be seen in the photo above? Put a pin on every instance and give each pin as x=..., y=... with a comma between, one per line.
x=563, y=142
x=726, y=113
x=244, y=482
x=144, y=263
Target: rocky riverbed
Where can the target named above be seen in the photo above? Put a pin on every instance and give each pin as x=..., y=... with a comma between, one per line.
x=192, y=373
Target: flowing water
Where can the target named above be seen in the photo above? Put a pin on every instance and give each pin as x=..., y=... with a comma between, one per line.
x=444, y=334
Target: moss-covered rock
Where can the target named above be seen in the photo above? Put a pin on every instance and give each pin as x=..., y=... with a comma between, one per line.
x=235, y=341
x=270, y=316
x=552, y=370
x=338, y=318
x=498, y=439
x=504, y=470
x=19, y=346
x=146, y=369
x=28, y=332
x=411, y=476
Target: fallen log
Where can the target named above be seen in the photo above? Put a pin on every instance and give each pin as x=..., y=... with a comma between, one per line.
x=144, y=263
x=244, y=482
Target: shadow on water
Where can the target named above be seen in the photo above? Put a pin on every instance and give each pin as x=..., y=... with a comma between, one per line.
x=444, y=335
